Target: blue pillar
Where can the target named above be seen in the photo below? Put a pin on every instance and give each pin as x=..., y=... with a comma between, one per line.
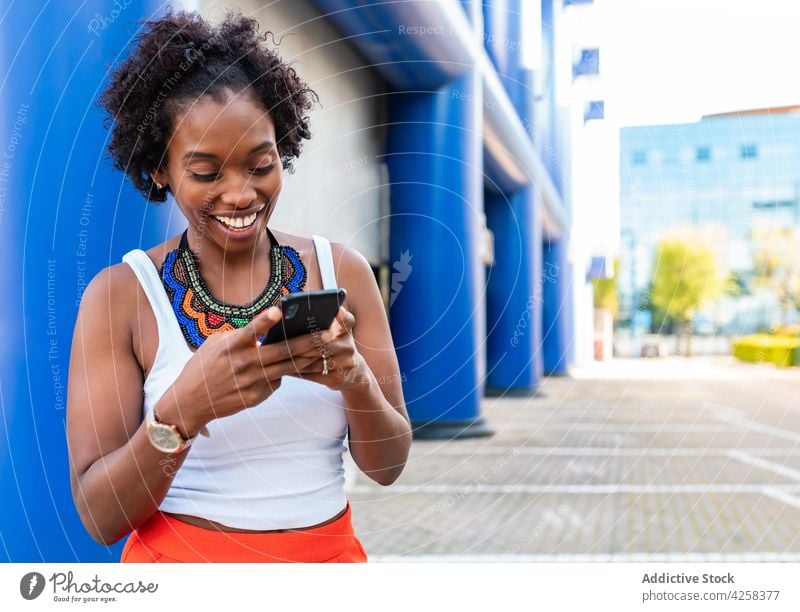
x=558, y=323
x=496, y=28
x=514, y=295
x=435, y=160
x=514, y=290
x=557, y=309
x=64, y=215
x=548, y=143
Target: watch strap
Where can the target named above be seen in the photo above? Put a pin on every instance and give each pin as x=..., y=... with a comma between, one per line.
x=152, y=417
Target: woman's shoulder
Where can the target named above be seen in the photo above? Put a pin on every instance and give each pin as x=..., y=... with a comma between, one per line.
x=305, y=246
x=158, y=253
x=302, y=244
x=346, y=259
x=108, y=299
x=110, y=283
x=114, y=289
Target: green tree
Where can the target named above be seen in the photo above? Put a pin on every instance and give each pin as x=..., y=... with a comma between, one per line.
x=685, y=277
x=776, y=263
x=605, y=292
x=736, y=285
x=659, y=322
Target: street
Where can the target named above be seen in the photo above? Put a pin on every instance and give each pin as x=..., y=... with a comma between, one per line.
x=669, y=459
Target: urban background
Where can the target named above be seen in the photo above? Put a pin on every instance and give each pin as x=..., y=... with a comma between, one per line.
x=586, y=237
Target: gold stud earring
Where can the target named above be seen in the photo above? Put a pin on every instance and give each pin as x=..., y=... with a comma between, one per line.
x=159, y=185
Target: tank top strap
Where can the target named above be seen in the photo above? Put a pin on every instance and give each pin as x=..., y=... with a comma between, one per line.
x=147, y=274
x=325, y=258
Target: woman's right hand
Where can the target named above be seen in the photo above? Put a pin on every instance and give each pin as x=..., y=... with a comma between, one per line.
x=231, y=372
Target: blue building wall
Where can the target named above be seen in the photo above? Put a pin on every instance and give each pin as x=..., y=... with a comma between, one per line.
x=65, y=215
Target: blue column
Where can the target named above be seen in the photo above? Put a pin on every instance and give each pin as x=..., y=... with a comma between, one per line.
x=548, y=143
x=514, y=295
x=557, y=309
x=64, y=215
x=514, y=291
x=557, y=325
x=434, y=155
x=496, y=29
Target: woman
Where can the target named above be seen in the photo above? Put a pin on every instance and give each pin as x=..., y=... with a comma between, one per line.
x=183, y=429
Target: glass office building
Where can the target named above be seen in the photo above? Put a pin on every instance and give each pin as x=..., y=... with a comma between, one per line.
x=733, y=172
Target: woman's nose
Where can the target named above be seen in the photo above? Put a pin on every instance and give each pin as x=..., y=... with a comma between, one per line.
x=239, y=193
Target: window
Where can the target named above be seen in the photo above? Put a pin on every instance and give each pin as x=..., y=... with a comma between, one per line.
x=640, y=157
x=703, y=154
x=748, y=151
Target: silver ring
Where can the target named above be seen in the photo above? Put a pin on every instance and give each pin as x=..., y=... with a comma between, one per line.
x=324, y=365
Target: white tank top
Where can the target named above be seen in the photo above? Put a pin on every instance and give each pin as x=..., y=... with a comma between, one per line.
x=277, y=465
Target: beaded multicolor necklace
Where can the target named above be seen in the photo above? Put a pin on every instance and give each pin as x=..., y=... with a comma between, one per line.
x=200, y=314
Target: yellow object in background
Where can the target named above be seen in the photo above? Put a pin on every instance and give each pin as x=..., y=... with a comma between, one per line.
x=782, y=350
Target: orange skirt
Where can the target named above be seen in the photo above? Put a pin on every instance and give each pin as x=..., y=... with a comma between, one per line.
x=165, y=539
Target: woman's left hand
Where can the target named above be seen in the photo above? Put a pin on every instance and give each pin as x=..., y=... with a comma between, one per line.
x=346, y=366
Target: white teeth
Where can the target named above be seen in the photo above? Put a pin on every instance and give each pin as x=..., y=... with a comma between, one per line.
x=241, y=222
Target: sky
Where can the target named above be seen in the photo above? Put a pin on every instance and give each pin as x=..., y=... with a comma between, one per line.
x=672, y=61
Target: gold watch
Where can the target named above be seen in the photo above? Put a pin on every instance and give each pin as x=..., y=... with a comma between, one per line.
x=167, y=438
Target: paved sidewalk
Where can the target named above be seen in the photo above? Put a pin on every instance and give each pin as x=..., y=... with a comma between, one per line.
x=645, y=460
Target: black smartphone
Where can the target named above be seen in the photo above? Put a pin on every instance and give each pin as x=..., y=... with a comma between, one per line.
x=305, y=312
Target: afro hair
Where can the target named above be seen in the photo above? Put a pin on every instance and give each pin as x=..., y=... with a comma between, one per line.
x=179, y=58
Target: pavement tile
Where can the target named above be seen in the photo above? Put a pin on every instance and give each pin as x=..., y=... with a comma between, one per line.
x=678, y=458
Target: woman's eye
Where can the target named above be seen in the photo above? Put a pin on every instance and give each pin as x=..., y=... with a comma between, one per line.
x=215, y=175
x=262, y=170
x=205, y=177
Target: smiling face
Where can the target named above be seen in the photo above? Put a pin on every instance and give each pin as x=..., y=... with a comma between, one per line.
x=224, y=171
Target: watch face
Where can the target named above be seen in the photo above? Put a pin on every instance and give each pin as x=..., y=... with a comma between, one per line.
x=164, y=438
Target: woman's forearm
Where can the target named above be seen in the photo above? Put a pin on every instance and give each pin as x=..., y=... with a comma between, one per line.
x=122, y=489
x=380, y=436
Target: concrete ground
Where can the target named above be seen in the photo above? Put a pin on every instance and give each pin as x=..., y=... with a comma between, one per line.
x=669, y=459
